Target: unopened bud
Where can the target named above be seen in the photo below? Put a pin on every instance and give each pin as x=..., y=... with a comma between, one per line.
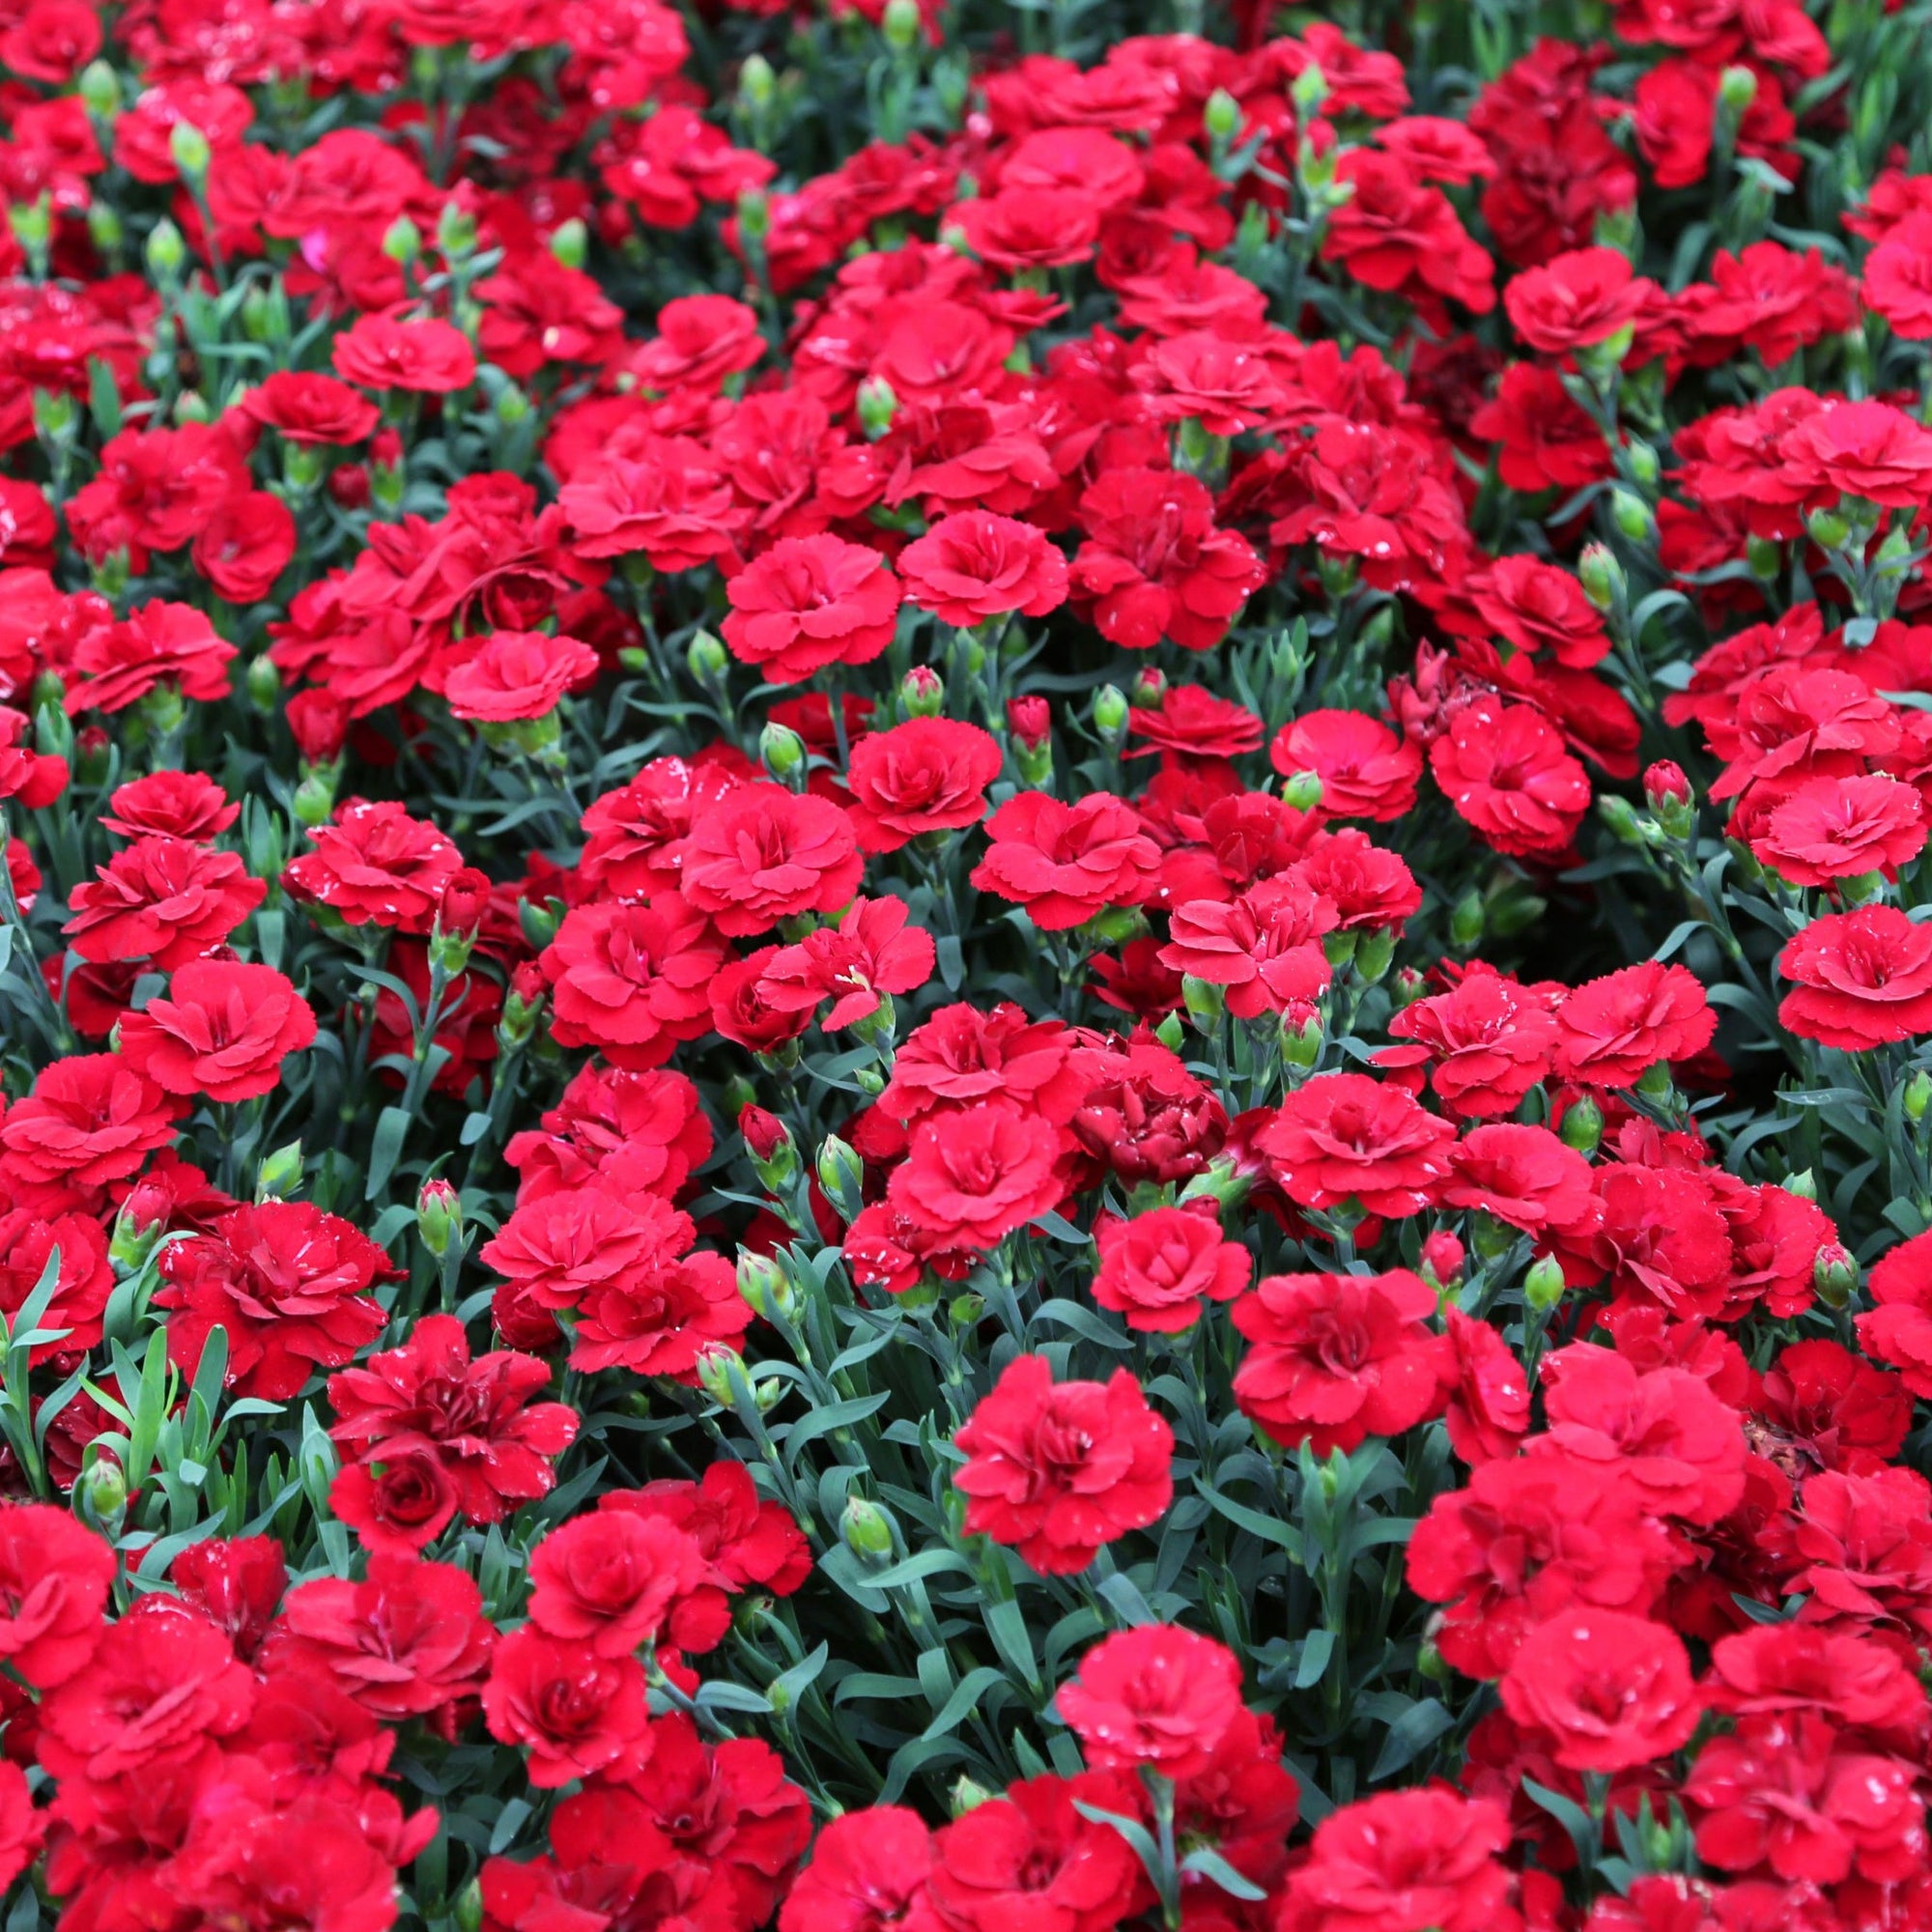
x=708, y=660
x=189, y=146
x=1582, y=1125
x=1765, y=557
x=765, y=1287
x=1467, y=918
x=439, y=1216
x=1301, y=1033
x=1303, y=791
x=1620, y=817
x=877, y=406
x=1804, y=1185
x=756, y=83
x=1171, y=1034
x=1221, y=116
x=1645, y=467
x=771, y=1147
x=106, y=1485
x=1835, y=1275
x=166, y=251
x=264, y=685
x=570, y=244
x=1602, y=576
x=280, y=1173
x=866, y=1531
x=901, y=24
x=1374, y=955
x=717, y=1370
x=314, y=801
x=1110, y=715
x=1737, y=88
x=1443, y=1259
x=1918, y=1096
x=843, y=1176
x=1206, y=1002
x=402, y=241
x=1828, y=529
x=1542, y=1285
x=99, y=90
x=1631, y=516
x=922, y=693
x=968, y=1795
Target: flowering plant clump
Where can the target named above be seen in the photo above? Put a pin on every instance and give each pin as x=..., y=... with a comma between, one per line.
x=966, y=966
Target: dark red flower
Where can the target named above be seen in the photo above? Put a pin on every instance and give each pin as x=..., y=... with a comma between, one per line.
x=1156, y=1697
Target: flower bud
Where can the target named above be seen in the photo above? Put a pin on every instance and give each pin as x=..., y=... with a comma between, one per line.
x=138, y=1226
x=523, y=1004
x=1765, y=557
x=1644, y=466
x=1443, y=1259
x=1374, y=955
x=842, y=1175
x=1582, y=1125
x=922, y=693
x=1828, y=529
x=1835, y=1275
x=1631, y=516
x=1407, y=986
x=1619, y=816
x=280, y=1173
x=782, y=752
x=1804, y=1185
x=539, y=923
x=1301, y=1033
x=1221, y=116
x=469, y=1909
x=1668, y=794
x=105, y=227
x=757, y=84
x=877, y=406
x=1737, y=88
x=166, y=251
x=402, y=241
x=765, y=1287
x=1602, y=576
x=901, y=24
x=314, y=802
x=455, y=232
x=100, y=89
x=1466, y=919
x=968, y=1795
x=106, y=1485
x=1149, y=689
x=769, y=1143
x=1171, y=1034
x=511, y=407
x=1308, y=90
x=439, y=1216
x=570, y=244
x=189, y=146
x=464, y=902
x=717, y=1369
x=1918, y=1096
x=866, y=1530
x=708, y=662
x=1303, y=791
x=1542, y=1285
x=264, y=685
x=1206, y=1002
x=1110, y=715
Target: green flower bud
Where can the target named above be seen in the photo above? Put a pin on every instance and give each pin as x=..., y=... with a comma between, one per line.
x=1737, y=88
x=280, y=1173
x=841, y=1173
x=765, y=1287
x=922, y=693
x=1375, y=955
x=1303, y=791
x=455, y=232
x=570, y=244
x=105, y=227
x=900, y=25
x=99, y=90
x=1619, y=816
x=189, y=146
x=968, y=1795
x=1645, y=467
x=166, y=251
x=468, y=1911
x=1171, y=1034
x=1631, y=516
x=314, y=801
x=1918, y=1096
x=264, y=685
x=867, y=1532
x=1542, y=1285
x=1835, y=1275
x=1829, y=529
x=1111, y=712
x=1804, y=1183
x=757, y=84
x=1582, y=1125
x=782, y=752
x=1301, y=1035
x=402, y=241
x=539, y=923
x=1206, y=1002
x=964, y=1311
x=718, y=1368
x=1467, y=918
x=106, y=1485
x=1765, y=557
x=708, y=662
x=1221, y=116
x=439, y=1216
x=1602, y=576
x=1308, y=90
x=877, y=406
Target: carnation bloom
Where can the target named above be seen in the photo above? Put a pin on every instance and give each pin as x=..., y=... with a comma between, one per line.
x=809, y=602
x=976, y=1175
x=1155, y=1697
x=1157, y=1268
x=927, y=774
x=1066, y=862
x=1366, y=771
x=1344, y=1137
x=974, y=565
x=762, y=854
x=375, y=865
x=1408, y=1859
x=518, y=674
x=1859, y=979
x=1333, y=1359
x=1056, y=1470
x=1835, y=828
x=1504, y=769
x=1610, y=1691
x=162, y=900
x=1610, y=1031
x=223, y=1031
x=632, y=979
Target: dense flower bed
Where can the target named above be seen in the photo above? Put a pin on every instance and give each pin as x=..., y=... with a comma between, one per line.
x=965, y=967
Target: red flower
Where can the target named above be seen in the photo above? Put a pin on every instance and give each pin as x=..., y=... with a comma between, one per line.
x=392, y=352
x=1159, y=1267
x=519, y=674
x=54, y=1579
x=749, y=1543
x=290, y=1285
x=1396, y=235
x=90, y=1118
x=1265, y=947
x=1366, y=771
x=1401, y=1861
x=1191, y=724
x=409, y=1641
x=972, y=565
x=375, y=865
x=663, y=1320
x=1345, y=1137
x=1611, y=1031
x=173, y=643
x=641, y=1131
x=1899, y=1329
x=82, y=1286
x=975, y=1175
x=809, y=602
x=1198, y=375
x=576, y=1712
x=1155, y=1697
x=1147, y=1117
x=633, y=980
x=869, y=1873
x=1576, y=301
x=1610, y=1692
x=474, y=1419
x=1336, y=1358
x=1504, y=769
x=669, y=499
x=1055, y=1470
x=871, y=953
x=1154, y=566
x=561, y=1246
x=1489, y=1408
x=1784, y=1668
x=308, y=407
x=1066, y=863
x=1859, y=979
x=1835, y=828
x=1524, y=1176
x=762, y=854
x=610, y=1582
x=224, y=1031
x=1489, y=1039
x=928, y=775
x=163, y=900
x=1032, y=1856
x=171, y=805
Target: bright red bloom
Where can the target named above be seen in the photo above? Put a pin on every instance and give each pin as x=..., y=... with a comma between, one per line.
x=308, y=407
x=172, y=643
x=171, y=805
x=1401, y=1861
x=762, y=854
x=1859, y=979
x=1489, y=1408
x=1055, y=1470
x=90, y=1118
x=1159, y=1267
x=82, y=1285
x=613, y=1582
x=474, y=1419
x=626, y=1131
x=633, y=980
x=1488, y=1040
x=163, y=900
x=1334, y=1359
x=1576, y=301
x=519, y=674
x=1504, y=769
x=1524, y=1176
x=927, y=774
x=389, y=351
x=1155, y=1698
x=809, y=602
x=1366, y=771
x=1899, y=1329
x=1610, y=1031
x=1265, y=947
x=54, y=1579
x=290, y=1285
x=975, y=1175
x=577, y=1714
x=1835, y=828
x=869, y=1873
x=1610, y=1691
x=1345, y=1137
x=1063, y=862
x=973, y=566
x=375, y=865
x=224, y=1031
x=871, y=953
